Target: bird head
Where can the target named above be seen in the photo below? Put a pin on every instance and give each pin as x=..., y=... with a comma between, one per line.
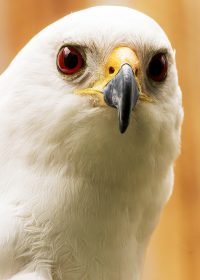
x=96, y=70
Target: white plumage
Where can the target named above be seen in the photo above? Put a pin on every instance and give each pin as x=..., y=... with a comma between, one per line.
x=79, y=200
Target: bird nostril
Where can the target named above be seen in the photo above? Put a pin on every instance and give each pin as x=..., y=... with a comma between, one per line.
x=111, y=70
x=136, y=72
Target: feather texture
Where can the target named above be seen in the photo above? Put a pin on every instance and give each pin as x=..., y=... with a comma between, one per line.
x=78, y=200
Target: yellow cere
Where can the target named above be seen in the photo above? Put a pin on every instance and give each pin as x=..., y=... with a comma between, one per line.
x=118, y=57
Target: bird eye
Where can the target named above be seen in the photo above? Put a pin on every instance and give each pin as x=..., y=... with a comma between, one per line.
x=69, y=60
x=158, y=66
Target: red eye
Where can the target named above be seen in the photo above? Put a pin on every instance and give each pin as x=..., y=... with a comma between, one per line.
x=158, y=67
x=69, y=60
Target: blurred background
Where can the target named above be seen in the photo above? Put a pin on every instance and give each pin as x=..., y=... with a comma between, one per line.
x=174, y=252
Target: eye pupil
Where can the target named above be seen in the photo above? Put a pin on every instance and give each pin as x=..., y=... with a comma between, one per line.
x=158, y=67
x=69, y=60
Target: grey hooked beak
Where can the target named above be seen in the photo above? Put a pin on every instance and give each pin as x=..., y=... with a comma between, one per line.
x=122, y=93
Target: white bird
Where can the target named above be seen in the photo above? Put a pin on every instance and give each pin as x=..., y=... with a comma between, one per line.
x=79, y=198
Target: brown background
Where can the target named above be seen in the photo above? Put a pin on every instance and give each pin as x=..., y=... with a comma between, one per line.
x=174, y=252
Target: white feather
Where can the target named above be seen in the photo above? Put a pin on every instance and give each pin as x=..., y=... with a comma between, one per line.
x=78, y=200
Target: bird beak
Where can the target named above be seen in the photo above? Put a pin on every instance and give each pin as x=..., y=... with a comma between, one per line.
x=119, y=86
x=122, y=93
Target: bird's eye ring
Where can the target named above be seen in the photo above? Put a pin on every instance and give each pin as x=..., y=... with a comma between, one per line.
x=69, y=60
x=158, y=66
